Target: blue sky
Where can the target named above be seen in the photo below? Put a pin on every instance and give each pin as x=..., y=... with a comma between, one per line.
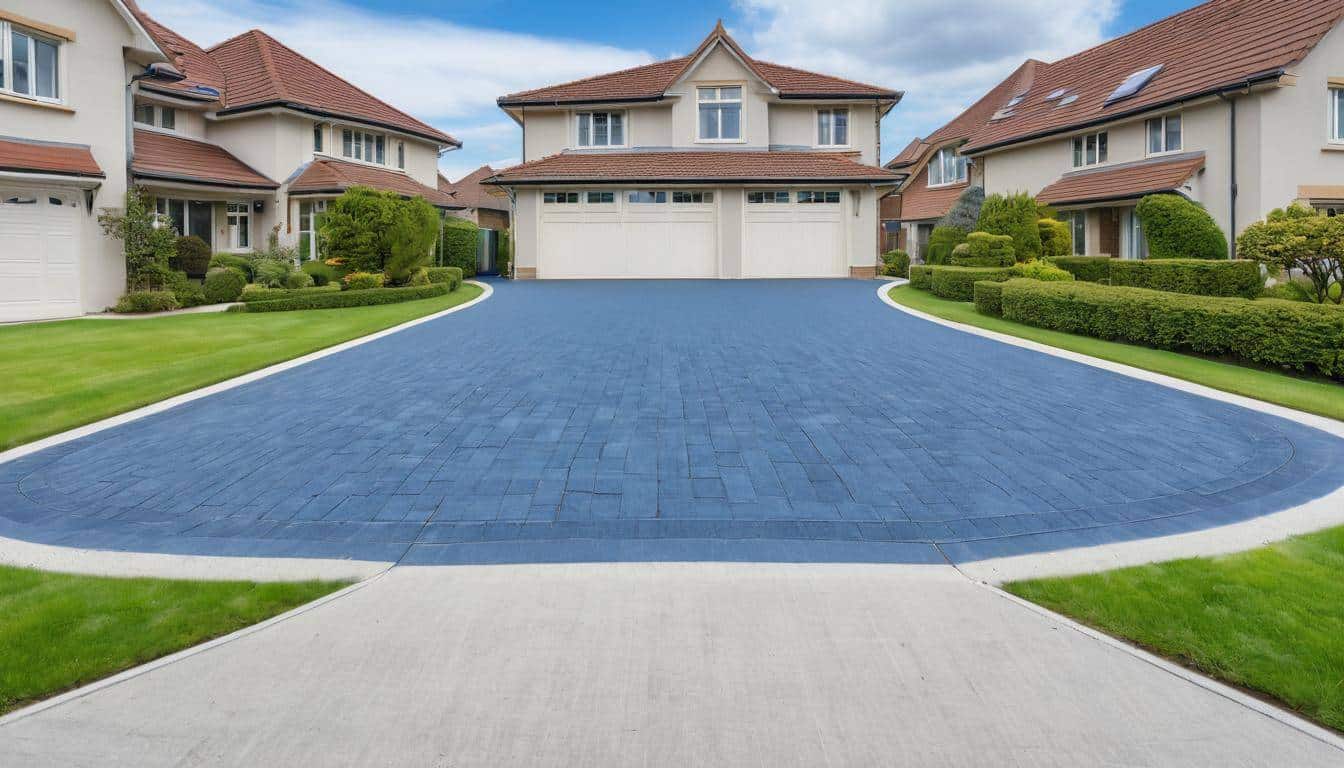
x=446, y=63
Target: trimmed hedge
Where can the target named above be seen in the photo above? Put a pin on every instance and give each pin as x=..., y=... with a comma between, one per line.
x=450, y=275
x=223, y=285
x=336, y=299
x=234, y=261
x=297, y=281
x=458, y=244
x=362, y=281
x=958, y=283
x=1199, y=277
x=1283, y=334
x=989, y=298
x=1041, y=269
x=1092, y=269
x=921, y=276
x=146, y=301
x=983, y=249
x=942, y=241
x=1177, y=228
x=1016, y=216
x=255, y=293
x=1056, y=238
x=896, y=263
x=321, y=272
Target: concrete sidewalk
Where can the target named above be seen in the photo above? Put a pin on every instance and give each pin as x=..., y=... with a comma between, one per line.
x=690, y=664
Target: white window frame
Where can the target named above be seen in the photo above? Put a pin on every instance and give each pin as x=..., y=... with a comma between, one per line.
x=718, y=100
x=164, y=218
x=1135, y=245
x=588, y=197
x=555, y=198
x=818, y=197
x=238, y=221
x=660, y=196
x=319, y=138
x=831, y=112
x=363, y=143
x=156, y=116
x=1162, y=129
x=769, y=197
x=960, y=167
x=591, y=115
x=314, y=208
x=7, y=69
x=1334, y=129
x=706, y=197
x=1078, y=149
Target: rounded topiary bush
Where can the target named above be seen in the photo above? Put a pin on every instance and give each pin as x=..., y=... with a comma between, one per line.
x=983, y=249
x=146, y=301
x=296, y=280
x=942, y=241
x=223, y=285
x=450, y=275
x=896, y=263
x=191, y=255
x=1056, y=238
x=1178, y=228
x=359, y=281
x=234, y=261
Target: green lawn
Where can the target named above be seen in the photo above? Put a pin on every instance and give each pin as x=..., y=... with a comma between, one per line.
x=1271, y=619
x=1312, y=395
x=59, y=631
x=65, y=374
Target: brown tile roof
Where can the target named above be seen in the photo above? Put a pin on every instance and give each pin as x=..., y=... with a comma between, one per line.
x=470, y=192
x=737, y=166
x=1122, y=182
x=920, y=202
x=186, y=56
x=649, y=82
x=22, y=156
x=329, y=176
x=261, y=71
x=1220, y=44
x=906, y=157
x=176, y=158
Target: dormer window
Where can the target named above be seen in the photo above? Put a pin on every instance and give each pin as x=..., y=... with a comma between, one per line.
x=149, y=114
x=601, y=129
x=720, y=110
x=833, y=127
x=31, y=66
x=358, y=145
x=946, y=167
x=1164, y=134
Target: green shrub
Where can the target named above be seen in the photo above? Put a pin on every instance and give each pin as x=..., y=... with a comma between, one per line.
x=321, y=272
x=896, y=264
x=361, y=281
x=191, y=255
x=982, y=249
x=989, y=297
x=223, y=284
x=1296, y=336
x=271, y=273
x=505, y=257
x=335, y=299
x=921, y=276
x=1200, y=277
x=1177, y=228
x=187, y=293
x=1056, y=238
x=1300, y=241
x=942, y=241
x=458, y=245
x=958, y=283
x=1091, y=269
x=299, y=279
x=1289, y=290
x=1016, y=217
x=146, y=301
x=1042, y=270
x=254, y=293
x=450, y=275
x=234, y=261
x=147, y=247
x=965, y=211
x=419, y=277
x=370, y=230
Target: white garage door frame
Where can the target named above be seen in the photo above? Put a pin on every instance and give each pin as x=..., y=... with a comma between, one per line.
x=793, y=239
x=623, y=239
x=41, y=244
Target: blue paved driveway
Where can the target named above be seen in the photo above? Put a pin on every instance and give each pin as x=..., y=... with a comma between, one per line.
x=670, y=420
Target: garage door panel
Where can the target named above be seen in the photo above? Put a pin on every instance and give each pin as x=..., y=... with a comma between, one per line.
x=624, y=240
x=793, y=240
x=671, y=249
x=39, y=253
x=582, y=249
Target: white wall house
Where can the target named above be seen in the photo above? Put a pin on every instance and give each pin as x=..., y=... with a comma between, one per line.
x=713, y=165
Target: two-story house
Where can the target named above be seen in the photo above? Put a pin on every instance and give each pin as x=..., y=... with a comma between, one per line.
x=1236, y=104
x=231, y=142
x=709, y=165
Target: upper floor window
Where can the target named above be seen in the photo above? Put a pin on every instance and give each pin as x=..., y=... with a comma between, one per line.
x=833, y=127
x=1164, y=134
x=401, y=154
x=720, y=113
x=601, y=129
x=947, y=167
x=1091, y=149
x=1337, y=114
x=148, y=114
x=369, y=147
x=29, y=63
x=318, y=131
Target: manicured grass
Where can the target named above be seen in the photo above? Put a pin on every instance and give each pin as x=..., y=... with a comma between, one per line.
x=59, y=631
x=61, y=375
x=1312, y=395
x=1271, y=619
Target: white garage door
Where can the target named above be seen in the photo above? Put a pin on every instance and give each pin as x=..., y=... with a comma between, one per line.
x=39, y=253
x=627, y=234
x=794, y=233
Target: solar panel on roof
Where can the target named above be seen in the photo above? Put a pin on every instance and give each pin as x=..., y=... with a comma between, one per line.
x=1133, y=84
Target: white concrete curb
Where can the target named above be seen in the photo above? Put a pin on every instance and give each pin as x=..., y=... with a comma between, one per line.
x=1312, y=516
x=107, y=563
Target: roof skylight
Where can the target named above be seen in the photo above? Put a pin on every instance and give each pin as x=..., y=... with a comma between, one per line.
x=1013, y=102
x=1067, y=100
x=1058, y=93
x=1133, y=84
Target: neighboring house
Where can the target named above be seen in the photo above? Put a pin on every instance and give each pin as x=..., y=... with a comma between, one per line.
x=709, y=165
x=486, y=204
x=1236, y=104
x=248, y=137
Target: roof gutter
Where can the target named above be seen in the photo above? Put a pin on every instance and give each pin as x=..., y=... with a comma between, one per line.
x=204, y=182
x=876, y=180
x=1219, y=91
x=507, y=102
x=307, y=110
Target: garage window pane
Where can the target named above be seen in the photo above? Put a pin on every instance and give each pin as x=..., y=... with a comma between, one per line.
x=560, y=198
x=692, y=197
x=646, y=196
x=602, y=198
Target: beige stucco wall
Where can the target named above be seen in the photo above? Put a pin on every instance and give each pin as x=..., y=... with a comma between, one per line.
x=546, y=133
x=525, y=220
x=795, y=125
x=721, y=68
x=731, y=202
x=861, y=235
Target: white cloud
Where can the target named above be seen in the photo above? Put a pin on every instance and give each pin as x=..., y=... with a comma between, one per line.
x=943, y=58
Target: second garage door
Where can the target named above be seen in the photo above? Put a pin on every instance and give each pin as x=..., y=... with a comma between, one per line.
x=628, y=234
x=794, y=233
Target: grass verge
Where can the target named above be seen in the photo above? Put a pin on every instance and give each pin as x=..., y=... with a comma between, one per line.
x=60, y=631
x=62, y=375
x=1270, y=620
x=1302, y=393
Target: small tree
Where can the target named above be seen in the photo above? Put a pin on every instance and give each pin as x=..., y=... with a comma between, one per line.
x=374, y=231
x=1298, y=239
x=1014, y=216
x=411, y=240
x=148, y=245
x=191, y=255
x=1178, y=228
x=965, y=211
